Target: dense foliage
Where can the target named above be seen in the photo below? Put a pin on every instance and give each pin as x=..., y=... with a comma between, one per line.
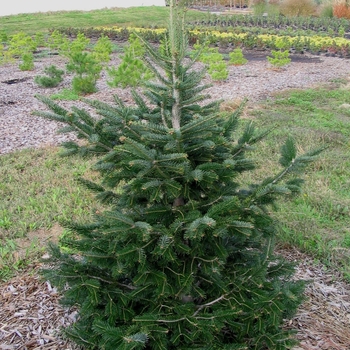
x=330, y=42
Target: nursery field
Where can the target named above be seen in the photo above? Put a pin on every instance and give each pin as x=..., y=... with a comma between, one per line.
x=307, y=98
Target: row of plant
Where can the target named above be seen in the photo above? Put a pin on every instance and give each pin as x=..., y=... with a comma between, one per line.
x=281, y=32
x=217, y=64
x=315, y=44
x=216, y=3
x=118, y=34
x=86, y=61
x=298, y=41
x=87, y=64
x=318, y=24
x=132, y=71
x=22, y=46
x=153, y=34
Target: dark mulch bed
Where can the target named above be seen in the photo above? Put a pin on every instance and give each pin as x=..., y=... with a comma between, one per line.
x=256, y=55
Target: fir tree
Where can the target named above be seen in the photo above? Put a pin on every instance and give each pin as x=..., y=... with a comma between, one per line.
x=184, y=259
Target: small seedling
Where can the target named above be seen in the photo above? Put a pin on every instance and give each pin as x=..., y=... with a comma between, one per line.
x=84, y=85
x=27, y=61
x=87, y=70
x=57, y=40
x=237, y=58
x=39, y=39
x=279, y=58
x=132, y=71
x=218, y=69
x=52, y=78
x=20, y=44
x=103, y=49
x=211, y=57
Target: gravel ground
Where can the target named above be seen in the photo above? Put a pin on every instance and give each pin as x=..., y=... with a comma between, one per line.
x=256, y=80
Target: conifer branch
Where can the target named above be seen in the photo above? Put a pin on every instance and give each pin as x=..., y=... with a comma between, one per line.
x=213, y=202
x=76, y=335
x=172, y=321
x=112, y=282
x=126, y=286
x=283, y=172
x=201, y=307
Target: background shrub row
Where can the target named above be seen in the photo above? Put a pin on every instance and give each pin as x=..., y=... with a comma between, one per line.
x=315, y=44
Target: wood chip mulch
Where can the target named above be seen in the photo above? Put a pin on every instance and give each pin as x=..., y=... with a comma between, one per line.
x=323, y=320
x=31, y=316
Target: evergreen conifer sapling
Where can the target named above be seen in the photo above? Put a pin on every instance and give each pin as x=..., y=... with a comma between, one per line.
x=184, y=258
x=237, y=58
x=53, y=77
x=131, y=71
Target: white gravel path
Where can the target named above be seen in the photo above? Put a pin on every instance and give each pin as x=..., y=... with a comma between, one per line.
x=256, y=80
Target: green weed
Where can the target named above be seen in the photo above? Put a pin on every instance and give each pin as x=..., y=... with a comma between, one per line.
x=66, y=95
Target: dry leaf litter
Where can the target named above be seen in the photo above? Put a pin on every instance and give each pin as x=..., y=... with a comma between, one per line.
x=31, y=317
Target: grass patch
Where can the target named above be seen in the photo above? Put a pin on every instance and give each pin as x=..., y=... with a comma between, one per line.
x=18, y=254
x=39, y=188
x=65, y=95
x=8, y=261
x=135, y=16
x=317, y=221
